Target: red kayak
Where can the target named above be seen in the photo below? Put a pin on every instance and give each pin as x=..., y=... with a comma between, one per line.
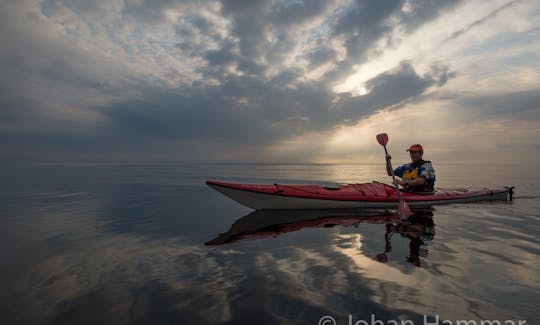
x=365, y=195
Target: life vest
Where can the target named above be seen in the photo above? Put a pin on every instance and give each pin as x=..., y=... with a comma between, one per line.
x=413, y=170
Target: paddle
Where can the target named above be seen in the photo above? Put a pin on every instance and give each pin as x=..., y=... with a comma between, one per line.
x=403, y=208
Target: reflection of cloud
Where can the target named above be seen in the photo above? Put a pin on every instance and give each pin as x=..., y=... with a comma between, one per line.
x=124, y=274
x=73, y=269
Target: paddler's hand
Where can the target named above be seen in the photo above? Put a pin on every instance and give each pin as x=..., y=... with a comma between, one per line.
x=398, y=182
x=388, y=157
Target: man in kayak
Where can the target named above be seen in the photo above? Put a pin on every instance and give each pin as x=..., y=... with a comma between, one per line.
x=416, y=176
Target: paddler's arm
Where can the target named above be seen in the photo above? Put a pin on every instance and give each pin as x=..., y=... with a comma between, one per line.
x=388, y=168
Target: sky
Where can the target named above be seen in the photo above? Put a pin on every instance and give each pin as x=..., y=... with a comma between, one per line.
x=269, y=81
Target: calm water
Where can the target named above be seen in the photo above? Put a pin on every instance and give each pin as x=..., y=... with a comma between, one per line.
x=114, y=244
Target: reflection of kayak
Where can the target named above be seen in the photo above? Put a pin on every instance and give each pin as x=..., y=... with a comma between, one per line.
x=366, y=195
x=270, y=223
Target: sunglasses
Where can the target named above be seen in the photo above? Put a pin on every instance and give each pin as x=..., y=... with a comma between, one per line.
x=415, y=151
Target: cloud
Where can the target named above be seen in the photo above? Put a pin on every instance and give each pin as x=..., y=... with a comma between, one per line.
x=132, y=76
x=513, y=105
x=248, y=111
x=480, y=21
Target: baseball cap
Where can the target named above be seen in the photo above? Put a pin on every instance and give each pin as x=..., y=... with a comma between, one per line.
x=416, y=147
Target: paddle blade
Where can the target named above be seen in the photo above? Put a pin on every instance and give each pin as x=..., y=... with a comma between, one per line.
x=382, y=139
x=404, y=210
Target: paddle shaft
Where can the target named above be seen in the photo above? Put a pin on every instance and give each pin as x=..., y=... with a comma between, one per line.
x=393, y=176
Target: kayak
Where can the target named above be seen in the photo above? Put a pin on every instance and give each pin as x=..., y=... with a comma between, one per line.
x=345, y=196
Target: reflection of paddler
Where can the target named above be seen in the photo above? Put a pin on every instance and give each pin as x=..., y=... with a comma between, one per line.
x=419, y=228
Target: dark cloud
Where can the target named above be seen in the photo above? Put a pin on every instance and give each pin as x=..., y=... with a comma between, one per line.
x=91, y=11
x=364, y=23
x=385, y=91
x=320, y=56
x=248, y=25
x=249, y=111
x=513, y=105
x=151, y=11
x=247, y=7
x=295, y=13
x=417, y=12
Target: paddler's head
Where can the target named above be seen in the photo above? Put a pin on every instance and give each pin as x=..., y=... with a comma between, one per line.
x=416, y=151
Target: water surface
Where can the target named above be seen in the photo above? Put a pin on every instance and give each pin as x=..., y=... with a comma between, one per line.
x=112, y=243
